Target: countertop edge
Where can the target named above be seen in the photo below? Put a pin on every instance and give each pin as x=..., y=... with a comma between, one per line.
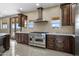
x=52, y=34
x=3, y=34
x=61, y=34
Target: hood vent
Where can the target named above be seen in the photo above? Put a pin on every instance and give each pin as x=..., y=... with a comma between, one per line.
x=40, y=15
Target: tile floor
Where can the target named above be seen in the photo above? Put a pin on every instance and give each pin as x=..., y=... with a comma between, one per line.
x=17, y=49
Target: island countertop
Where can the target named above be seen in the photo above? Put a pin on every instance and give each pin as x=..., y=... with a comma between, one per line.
x=23, y=32
x=2, y=34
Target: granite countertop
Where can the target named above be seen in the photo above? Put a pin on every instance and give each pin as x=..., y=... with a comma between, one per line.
x=65, y=34
x=22, y=32
x=2, y=34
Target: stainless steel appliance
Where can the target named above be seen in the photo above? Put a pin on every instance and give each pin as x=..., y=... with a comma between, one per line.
x=77, y=31
x=40, y=16
x=37, y=39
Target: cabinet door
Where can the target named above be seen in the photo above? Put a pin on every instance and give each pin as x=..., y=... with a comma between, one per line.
x=72, y=14
x=26, y=38
x=50, y=42
x=22, y=38
x=17, y=37
x=59, y=42
x=22, y=19
x=69, y=44
x=68, y=14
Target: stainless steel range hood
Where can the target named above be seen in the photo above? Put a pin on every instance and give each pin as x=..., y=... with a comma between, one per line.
x=40, y=16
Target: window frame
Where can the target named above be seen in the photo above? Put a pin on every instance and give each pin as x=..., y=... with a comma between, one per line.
x=56, y=23
x=4, y=26
x=31, y=24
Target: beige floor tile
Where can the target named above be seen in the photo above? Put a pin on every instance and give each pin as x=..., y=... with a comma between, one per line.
x=25, y=50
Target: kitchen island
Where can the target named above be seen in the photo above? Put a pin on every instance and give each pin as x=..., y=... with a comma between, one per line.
x=5, y=41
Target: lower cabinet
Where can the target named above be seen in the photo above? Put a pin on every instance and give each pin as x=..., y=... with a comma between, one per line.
x=61, y=43
x=50, y=42
x=22, y=38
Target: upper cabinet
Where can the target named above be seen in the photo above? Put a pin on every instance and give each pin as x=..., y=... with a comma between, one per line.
x=68, y=14
x=22, y=19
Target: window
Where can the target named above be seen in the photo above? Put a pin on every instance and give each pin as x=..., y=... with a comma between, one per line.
x=13, y=26
x=4, y=26
x=17, y=26
x=56, y=23
x=30, y=24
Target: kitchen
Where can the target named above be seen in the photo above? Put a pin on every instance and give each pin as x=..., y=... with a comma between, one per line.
x=48, y=26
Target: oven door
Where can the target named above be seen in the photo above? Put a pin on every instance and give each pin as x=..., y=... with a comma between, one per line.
x=39, y=40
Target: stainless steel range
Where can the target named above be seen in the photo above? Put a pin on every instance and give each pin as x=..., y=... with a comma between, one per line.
x=37, y=39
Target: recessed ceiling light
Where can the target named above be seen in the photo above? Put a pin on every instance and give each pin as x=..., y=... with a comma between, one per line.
x=37, y=4
x=20, y=8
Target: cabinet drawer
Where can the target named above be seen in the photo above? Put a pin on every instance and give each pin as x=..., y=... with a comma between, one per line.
x=51, y=47
x=61, y=43
x=51, y=37
x=51, y=40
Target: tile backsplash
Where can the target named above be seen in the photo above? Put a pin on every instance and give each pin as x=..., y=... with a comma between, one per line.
x=46, y=27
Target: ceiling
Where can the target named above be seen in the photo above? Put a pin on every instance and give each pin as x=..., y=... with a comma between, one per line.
x=7, y=9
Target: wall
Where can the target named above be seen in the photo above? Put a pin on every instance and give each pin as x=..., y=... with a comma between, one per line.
x=4, y=20
x=7, y=20
x=47, y=15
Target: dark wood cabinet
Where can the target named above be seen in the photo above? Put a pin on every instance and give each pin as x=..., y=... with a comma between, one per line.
x=22, y=18
x=61, y=43
x=6, y=42
x=72, y=13
x=50, y=42
x=69, y=44
x=22, y=38
x=68, y=14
